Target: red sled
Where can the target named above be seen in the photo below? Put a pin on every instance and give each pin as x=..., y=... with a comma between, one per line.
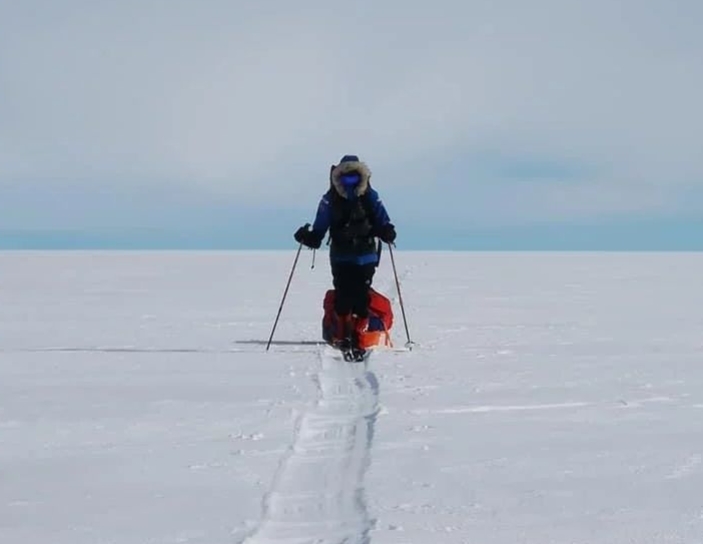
x=380, y=321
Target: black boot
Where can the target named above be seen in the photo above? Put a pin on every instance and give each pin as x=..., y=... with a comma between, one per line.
x=344, y=332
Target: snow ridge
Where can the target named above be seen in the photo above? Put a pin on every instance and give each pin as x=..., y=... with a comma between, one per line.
x=318, y=492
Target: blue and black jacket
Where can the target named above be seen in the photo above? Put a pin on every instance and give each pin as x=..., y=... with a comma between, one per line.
x=353, y=218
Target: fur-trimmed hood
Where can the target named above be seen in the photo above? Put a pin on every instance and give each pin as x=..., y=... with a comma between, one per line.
x=351, y=166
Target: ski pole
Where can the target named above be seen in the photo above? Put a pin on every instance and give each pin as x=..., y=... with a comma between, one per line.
x=285, y=293
x=400, y=297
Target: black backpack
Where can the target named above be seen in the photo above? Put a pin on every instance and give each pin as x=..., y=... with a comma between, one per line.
x=352, y=225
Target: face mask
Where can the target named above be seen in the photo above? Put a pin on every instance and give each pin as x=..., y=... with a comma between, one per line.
x=350, y=179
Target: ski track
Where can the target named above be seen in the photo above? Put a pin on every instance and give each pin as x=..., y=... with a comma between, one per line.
x=317, y=495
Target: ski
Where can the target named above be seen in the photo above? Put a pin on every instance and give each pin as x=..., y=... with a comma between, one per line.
x=355, y=355
x=349, y=353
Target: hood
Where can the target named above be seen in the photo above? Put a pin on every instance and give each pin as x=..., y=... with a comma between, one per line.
x=351, y=166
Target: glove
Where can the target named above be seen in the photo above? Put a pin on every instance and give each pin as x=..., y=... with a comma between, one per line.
x=387, y=233
x=307, y=237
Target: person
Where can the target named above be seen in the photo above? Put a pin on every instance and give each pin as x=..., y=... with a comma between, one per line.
x=355, y=216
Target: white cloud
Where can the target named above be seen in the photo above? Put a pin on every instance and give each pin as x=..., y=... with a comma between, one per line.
x=254, y=101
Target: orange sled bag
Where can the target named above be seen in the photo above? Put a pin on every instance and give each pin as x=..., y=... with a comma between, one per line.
x=380, y=320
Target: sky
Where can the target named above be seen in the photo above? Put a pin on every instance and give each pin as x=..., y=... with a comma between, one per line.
x=486, y=124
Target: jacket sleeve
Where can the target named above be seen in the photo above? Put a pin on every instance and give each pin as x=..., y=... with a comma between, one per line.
x=381, y=217
x=322, y=218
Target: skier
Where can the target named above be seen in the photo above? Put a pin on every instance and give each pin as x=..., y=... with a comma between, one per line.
x=354, y=214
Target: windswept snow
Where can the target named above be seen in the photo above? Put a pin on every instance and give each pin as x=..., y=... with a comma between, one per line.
x=550, y=399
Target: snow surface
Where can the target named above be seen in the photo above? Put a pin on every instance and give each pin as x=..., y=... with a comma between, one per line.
x=550, y=398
